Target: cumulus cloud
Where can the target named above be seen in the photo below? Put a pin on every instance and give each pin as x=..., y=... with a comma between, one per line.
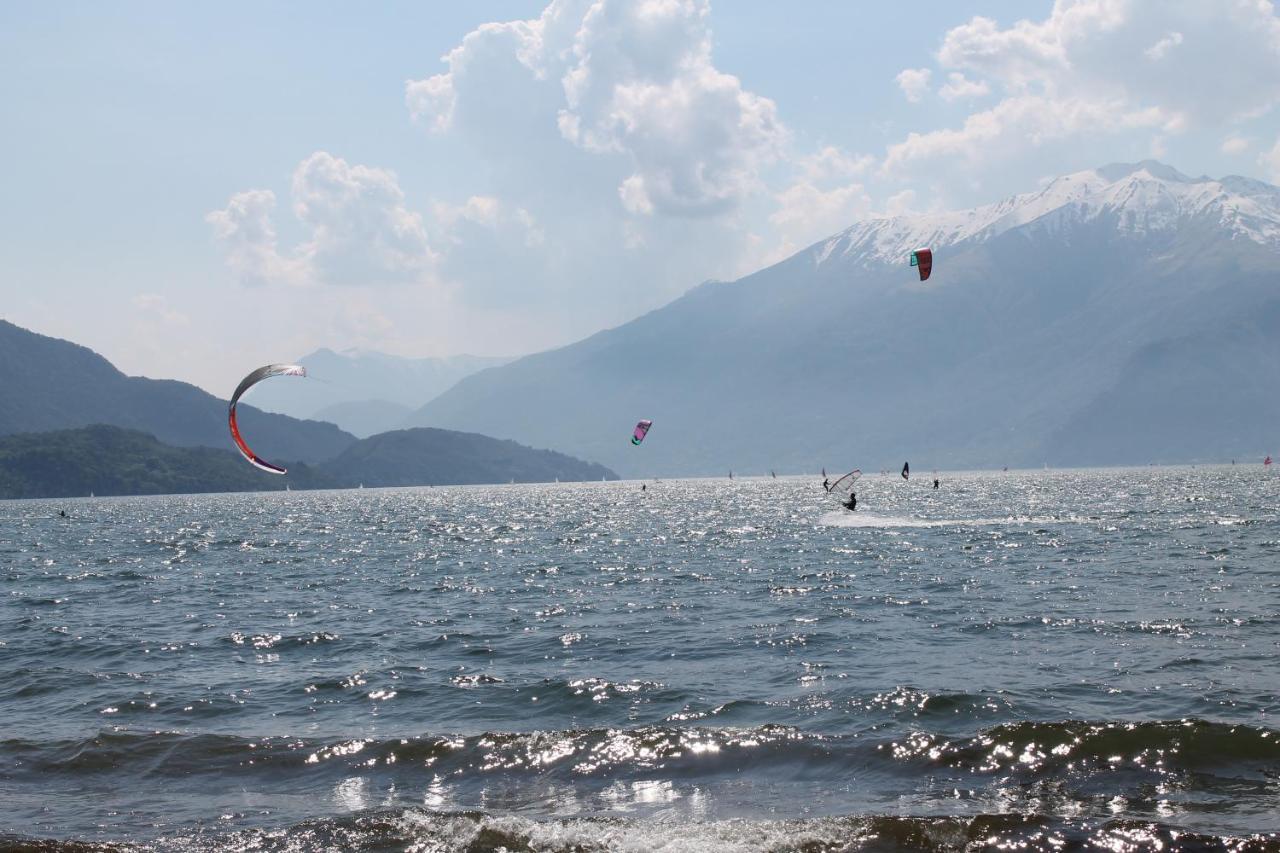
x=607, y=131
x=958, y=86
x=1094, y=68
x=914, y=83
x=359, y=229
x=247, y=235
x=633, y=80
x=831, y=162
x=1234, y=144
x=1017, y=123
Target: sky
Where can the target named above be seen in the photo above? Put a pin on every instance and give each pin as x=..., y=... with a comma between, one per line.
x=193, y=190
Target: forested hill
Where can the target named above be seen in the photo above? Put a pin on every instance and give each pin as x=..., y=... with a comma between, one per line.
x=107, y=460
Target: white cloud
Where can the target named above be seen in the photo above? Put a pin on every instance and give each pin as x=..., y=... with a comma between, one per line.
x=609, y=124
x=1097, y=69
x=1017, y=123
x=901, y=203
x=359, y=229
x=914, y=83
x=1160, y=49
x=633, y=80
x=1105, y=46
x=1234, y=145
x=806, y=214
x=958, y=86
x=642, y=83
x=247, y=234
x=831, y=163
x=1270, y=160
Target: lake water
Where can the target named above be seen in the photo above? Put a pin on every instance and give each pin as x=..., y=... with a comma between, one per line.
x=1040, y=659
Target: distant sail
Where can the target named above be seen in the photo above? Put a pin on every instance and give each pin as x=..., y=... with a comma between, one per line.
x=844, y=482
x=1266, y=461
x=906, y=470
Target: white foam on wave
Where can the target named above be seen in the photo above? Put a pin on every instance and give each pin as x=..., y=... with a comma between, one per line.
x=840, y=518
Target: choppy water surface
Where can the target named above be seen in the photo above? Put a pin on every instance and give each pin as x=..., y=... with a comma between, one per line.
x=1039, y=659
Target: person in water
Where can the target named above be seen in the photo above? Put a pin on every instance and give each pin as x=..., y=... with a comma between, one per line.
x=62, y=512
x=935, y=482
x=644, y=486
x=852, y=503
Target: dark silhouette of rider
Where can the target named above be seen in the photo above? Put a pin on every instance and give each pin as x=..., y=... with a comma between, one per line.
x=852, y=503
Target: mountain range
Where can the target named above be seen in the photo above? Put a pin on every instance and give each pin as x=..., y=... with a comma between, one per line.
x=51, y=384
x=71, y=424
x=366, y=392
x=109, y=460
x=1126, y=314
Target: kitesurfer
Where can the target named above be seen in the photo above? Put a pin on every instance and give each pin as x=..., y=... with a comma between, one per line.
x=935, y=482
x=852, y=503
x=62, y=512
x=644, y=486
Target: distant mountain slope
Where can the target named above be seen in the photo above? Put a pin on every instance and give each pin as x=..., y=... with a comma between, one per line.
x=367, y=392
x=1047, y=314
x=364, y=418
x=47, y=384
x=107, y=460
x=436, y=456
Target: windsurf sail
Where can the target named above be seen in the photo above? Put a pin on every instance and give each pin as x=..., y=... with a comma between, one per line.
x=923, y=258
x=845, y=482
x=642, y=429
x=906, y=470
x=245, y=384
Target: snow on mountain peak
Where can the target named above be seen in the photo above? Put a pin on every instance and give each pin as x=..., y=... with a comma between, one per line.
x=1145, y=197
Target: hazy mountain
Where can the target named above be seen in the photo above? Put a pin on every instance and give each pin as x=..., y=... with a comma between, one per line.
x=49, y=384
x=364, y=417
x=367, y=392
x=1124, y=314
x=411, y=457
x=107, y=460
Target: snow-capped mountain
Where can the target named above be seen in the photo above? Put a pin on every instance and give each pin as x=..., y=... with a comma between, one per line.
x=1123, y=314
x=1143, y=198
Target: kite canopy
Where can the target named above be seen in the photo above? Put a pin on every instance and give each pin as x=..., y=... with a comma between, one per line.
x=906, y=470
x=923, y=258
x=844, y=482
x=642, y=429
x=245, y=384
